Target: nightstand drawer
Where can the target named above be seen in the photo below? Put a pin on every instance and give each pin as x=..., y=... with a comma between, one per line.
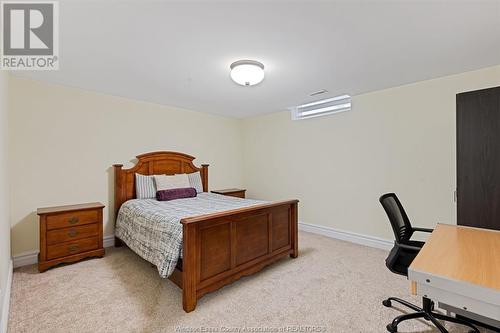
x=72, y=219
x=71, y=234
x=70, y=248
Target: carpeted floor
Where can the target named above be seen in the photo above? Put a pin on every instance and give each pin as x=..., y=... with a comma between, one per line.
x=334, y=286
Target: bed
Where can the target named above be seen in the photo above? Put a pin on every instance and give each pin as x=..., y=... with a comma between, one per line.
x=201, y=243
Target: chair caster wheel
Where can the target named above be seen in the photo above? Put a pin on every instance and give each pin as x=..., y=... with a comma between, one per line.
x=391, y=328
x=387, y=303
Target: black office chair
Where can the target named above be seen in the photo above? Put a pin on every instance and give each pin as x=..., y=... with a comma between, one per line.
x=400, y=258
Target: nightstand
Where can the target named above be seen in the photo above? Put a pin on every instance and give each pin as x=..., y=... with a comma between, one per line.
x=232, y=192
x=69, y=234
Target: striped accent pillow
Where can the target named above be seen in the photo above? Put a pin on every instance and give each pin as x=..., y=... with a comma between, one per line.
x=144, y=187
x=195, y=181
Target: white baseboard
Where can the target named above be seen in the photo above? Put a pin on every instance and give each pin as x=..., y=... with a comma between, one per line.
x=349, y=236
x=108, y=241
x=31, y=257
x=25, y=259
x=4, y=316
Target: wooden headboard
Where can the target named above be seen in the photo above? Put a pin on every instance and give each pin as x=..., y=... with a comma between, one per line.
x=155, y=163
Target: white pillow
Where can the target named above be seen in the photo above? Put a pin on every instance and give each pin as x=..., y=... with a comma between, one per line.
x=144, y=187
x=195, y=181
x=171, y=182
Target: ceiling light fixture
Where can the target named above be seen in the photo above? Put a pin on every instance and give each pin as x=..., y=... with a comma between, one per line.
x=247, y=72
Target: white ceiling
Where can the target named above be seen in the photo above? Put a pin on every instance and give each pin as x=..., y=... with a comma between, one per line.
x=178, y=53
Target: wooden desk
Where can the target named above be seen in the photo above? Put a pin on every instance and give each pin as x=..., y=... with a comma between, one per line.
x=459, y=267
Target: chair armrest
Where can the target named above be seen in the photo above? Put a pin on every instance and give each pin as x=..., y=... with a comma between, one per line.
x=409, y=247
x=423, y=229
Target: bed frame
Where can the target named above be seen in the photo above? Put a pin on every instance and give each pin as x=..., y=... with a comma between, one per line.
x=218, y=248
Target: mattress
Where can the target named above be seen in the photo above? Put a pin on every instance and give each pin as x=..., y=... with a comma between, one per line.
x=152, y=228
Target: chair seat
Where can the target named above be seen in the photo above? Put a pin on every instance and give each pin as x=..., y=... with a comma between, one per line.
x=400, y=259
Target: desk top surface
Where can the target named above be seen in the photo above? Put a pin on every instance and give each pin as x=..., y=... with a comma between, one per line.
x=463, y=254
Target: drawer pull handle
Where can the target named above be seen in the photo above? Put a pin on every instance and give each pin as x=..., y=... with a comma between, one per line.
x=73, y=248
x=427, y=280
x=72, y=233
x=73, y=220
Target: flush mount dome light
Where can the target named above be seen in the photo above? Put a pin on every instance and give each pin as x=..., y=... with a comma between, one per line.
x=247, y=72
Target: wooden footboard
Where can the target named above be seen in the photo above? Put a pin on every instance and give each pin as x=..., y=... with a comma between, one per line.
x=220, y=248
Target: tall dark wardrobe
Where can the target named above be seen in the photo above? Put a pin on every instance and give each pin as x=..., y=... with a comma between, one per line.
x=478, y=158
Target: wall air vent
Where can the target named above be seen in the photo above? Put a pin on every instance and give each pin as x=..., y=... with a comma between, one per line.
x=322, y=107
x=319, y=92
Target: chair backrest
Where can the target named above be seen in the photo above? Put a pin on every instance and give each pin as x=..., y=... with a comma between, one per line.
x=400, y=223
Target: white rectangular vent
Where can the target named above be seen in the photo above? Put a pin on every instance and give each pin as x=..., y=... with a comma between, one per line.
x=322, y=107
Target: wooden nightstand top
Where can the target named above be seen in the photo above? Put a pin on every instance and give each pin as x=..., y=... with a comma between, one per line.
x=229, y=190
x=69, y=208
x=232, y=192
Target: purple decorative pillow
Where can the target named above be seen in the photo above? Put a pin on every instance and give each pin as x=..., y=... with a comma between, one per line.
x=176, y=193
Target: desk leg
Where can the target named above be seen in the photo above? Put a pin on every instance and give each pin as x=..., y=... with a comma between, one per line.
x=413, y=288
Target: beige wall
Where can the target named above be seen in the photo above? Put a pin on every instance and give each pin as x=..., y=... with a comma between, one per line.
x=4, y=191
x=400, y=140
x=64, y=141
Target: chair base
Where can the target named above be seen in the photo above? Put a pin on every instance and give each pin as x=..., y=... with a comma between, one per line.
x=426, y=312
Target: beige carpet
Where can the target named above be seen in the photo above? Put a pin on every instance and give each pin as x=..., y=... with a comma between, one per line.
x=334, y=285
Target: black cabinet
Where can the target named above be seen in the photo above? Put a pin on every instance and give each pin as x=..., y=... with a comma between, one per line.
x=478, y=158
